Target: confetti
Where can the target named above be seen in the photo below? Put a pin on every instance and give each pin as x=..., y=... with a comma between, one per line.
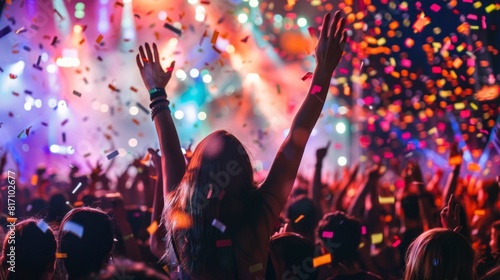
x=77, y=187
x=396, y=243
x=315, y=89
x=99, y=39
x=54, y=41
x=112, y=155
x=223, y=243
x=322, y=260
x=64, y=122
x=43, y=226
x=61, y=255
x=299, y=218
x=6, y=30
x=142, y=108
x=255, y=267
x=307, y=76
x=363, y=230
x=327, y=234
x=11, y=220
x=173, y=29
x=219, y=225
x=77, y=93
x=74, y=228
x=421, y=22
x=386, y=200
x=213, y=41
x=377, y=238
x=152, y=227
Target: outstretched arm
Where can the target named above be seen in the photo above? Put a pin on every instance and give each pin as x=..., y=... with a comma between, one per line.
x=156, y=79
x=279, y=182
x=157, y=245
x=452, y=182
x=317, y=184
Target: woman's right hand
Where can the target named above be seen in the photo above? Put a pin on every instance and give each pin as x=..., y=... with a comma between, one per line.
x=331, y=43
x=150, y=67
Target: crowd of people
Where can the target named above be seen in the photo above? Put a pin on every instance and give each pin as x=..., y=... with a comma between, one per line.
x=201, y=215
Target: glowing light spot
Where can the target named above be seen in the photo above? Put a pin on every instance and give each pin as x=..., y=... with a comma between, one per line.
x=38, y=103
x=242, y=18
x=179, y=114
x=342, y=161
x=192, y=2
x=132, y=142
x=52, y=103
x=181, y=75
x=343, y=110
x=162, y=15
x=61, y=103
x=26, y=147
x=202, y=116
x=54, y=148
x=301, y=22
x=340, y=127
x=104, y=108
x=253, y=3
x=77, y=29
x=79, y=14
x=207, y=78
x=70, y=150
x=96, y=105
x=194, y=73
x=27, y=106
x=278, y=18
x=230, y=49
x=133, y=110
x=199, y=17
x=253, y=77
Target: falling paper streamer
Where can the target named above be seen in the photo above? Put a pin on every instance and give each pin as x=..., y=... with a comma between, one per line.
x=61, y=255
x=377, y=238
x=74, y=228
x=322, y=260
x=77, y=187
x=112, y=155
x=327, y=234
x=43, y=226
x=299, y=218
x=220, y=226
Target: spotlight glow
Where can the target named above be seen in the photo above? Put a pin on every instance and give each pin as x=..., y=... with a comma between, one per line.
x=194, y=73
x=181, y=75
x=343, y=110
x=207, y=78
x=133, y=110
x=77, y=29
x=179, y=114
x=301, y=22
x=38, y=103
x=132, y=142
x=202, y=116
x=104, y=108
x=242, y=18
x=340, y=127
x=27, y=106
x=54, y=148
x=342, y=161
x=253, y=3
x=51, y=68
x=162, y=15
x=52, y=103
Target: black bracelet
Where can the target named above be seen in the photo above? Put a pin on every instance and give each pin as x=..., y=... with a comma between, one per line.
x=157, y=92
x=157, y=110
x=159, y=101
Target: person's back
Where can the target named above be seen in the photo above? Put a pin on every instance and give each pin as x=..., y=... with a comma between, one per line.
x=440, y=254
x=29, y=251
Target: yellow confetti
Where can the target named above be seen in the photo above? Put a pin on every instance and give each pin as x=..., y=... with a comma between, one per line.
x=152, y=228
x=61, y=255
x=490, y=8
x=377, y=238
x=386, y=200
x=299, y=218
x=99, y=39
x=321, y=260
x=256, y=267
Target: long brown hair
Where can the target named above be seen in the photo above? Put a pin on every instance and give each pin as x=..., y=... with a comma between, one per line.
x=440, y=254
x=209, y=206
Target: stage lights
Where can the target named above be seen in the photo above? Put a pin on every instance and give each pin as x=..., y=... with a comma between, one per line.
x=342, y=161
x=69, y=59
x=194, y=73
x=340, y=127
x=62, y=150
x=179, y=114
x=242, y=18
x=202, y=116
x=80, y=10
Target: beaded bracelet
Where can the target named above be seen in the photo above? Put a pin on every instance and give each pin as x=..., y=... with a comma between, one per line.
x=157, y=92
x=158, y=109
x=158, y=102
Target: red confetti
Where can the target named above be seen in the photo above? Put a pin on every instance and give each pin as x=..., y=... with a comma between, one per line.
x=307, y=76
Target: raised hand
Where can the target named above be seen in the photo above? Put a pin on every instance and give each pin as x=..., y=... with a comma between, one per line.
x=450, y=215
x=156, y=158
x=321, y=152
x=150, y=67
x=331, y=43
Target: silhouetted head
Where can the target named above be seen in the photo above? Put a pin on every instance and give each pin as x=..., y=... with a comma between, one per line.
x=495, y=236
x=305, y=225
x=57, y=207
x=30, y=250
x=440, y=254
x=86, y=237
x=218, y=184
x=340, y=235
x=37, y=208
x=286, y=251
